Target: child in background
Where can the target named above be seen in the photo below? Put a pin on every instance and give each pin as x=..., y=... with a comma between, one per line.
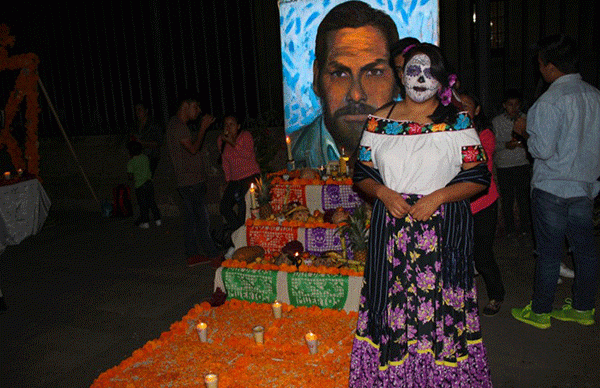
x=485, y=212
x=138, y=170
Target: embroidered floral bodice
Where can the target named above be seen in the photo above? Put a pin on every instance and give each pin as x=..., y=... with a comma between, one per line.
x=419, y=158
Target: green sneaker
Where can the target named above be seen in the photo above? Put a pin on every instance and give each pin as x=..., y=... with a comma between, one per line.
x=541, y=321
x=568, y=313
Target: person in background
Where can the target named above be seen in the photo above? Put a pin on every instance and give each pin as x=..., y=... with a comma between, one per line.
x=564, y=139
x=241, y=169
x=138, y=169
x=149, y=133
x=513, y=169
x=189, y=170
x=421, y=161
x=485, y=212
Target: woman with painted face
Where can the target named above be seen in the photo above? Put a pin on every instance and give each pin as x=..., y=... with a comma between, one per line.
x=421, y=161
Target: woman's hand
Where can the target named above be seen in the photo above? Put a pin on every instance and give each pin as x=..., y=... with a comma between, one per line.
x=426, y=206
x=393, y=202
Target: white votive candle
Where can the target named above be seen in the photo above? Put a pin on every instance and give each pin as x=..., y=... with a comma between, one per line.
x=202, y=329
x=7, y=175
x=276, y=309
x=211, y=380
x=258, y=334
x=311, y=341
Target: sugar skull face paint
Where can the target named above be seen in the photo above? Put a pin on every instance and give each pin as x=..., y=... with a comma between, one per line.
x=417, y=79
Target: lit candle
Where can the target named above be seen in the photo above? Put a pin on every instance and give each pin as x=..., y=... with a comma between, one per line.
x=289, y=147
x=311, y=341
x=253, y=202
x=276, y=309
x=258, y=334
x=202, y=331
x=7, y=175
x=211, y=380
x=20, y=172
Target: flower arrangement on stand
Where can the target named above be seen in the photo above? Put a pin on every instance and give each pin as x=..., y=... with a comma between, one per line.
x=23, y=157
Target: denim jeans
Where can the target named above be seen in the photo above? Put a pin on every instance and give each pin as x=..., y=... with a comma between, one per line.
x=197, y=224
x=553, y=219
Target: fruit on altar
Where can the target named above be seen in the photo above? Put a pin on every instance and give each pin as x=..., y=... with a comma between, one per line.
x=356, y=231
x=248, y=254
x=263, y=185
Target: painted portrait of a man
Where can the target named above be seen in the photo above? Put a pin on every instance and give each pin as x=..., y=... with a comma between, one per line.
x=351, y=76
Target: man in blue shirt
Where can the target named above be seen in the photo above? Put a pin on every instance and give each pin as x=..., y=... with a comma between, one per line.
x=563, y=129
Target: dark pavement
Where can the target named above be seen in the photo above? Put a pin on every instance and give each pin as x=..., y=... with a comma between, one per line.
x=87, y=291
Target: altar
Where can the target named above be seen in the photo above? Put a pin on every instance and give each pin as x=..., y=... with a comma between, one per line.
x=303, y=284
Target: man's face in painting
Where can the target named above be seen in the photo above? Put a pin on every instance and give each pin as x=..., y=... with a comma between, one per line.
x=354, y=81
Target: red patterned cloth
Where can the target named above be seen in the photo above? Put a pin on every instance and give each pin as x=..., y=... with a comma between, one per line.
x=281, y=194
x=270, y=238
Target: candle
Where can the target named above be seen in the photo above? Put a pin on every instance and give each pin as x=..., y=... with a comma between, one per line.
x=258, y=334
x=289, y=147
x=20, y=172
x=202, y=331
x=311, y=341
x=276, y=309
x=211, y=380
x=253, y=202
x=344, y=162
x=7, y=175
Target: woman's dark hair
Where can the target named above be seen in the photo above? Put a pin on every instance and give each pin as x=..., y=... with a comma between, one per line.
x=480, y=121
x=237, y=120
x=397, y=49
x=440, y=71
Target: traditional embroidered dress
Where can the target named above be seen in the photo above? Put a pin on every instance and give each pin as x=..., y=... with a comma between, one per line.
x=418, y=322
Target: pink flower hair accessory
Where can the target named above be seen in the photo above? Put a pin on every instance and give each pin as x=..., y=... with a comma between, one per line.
x=445, y=94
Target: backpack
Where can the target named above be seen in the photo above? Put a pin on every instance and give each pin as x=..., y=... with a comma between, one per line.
x=122, y=206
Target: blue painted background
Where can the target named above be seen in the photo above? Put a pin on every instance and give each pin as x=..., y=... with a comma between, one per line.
x=299, y=20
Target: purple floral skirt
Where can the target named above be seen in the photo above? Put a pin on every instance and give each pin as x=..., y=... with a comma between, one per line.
x=432, y=337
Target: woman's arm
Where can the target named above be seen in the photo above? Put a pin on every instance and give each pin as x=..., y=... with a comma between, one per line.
x=426, y=205
x=392, y=200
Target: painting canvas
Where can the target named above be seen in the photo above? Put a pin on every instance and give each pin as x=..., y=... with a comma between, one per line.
x=304, y=108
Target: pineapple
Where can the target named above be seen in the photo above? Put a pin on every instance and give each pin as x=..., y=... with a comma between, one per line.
x=263, y=185
x=356, y=230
